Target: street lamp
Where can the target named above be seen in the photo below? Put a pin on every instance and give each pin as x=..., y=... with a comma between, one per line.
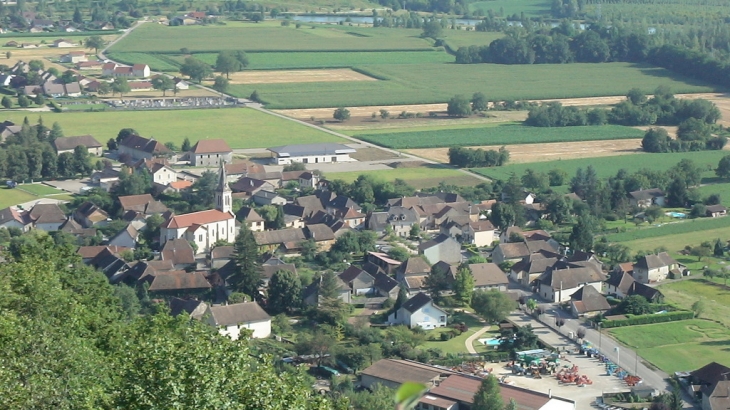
x=618, y=352
x=600, y=336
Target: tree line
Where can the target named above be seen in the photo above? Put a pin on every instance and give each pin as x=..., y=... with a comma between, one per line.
x=470, y=158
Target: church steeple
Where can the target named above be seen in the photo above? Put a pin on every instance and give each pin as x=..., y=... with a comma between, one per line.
x=223, y=197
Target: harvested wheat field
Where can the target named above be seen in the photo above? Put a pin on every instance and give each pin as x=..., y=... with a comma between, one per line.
x=553, y=151
x=367, y=111
x=297, y=76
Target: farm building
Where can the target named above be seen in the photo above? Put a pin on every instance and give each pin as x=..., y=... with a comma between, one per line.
x=74, y=57
x=115, y=70
x=311, y=153
x=63, y=43
x=210, y=153
x=68, y=144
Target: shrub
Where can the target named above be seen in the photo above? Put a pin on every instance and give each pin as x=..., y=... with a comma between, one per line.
x=649, y=319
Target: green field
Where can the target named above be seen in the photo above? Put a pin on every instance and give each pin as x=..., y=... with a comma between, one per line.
x=723, y=189
x=678, y=346
x=608, y=166
x=457, y=344
x=240, y=127
x=510, y=7
x=463, y=38
x=499, y=134
x=40, y=189
x=157, y=62
x=268, y=37
x=716, y=296
x=9, y=197
x=422, y=177
x=437, y=83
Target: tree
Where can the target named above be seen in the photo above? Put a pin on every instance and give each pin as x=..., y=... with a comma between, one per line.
x=531, y=304
x=254, y=97
x=226, y=63
x=121, y=85
x=432, y=29
x=399, y=253
x=677, y=192
x=656, y=140
x=242, y=59
x=125, y=132
x=464, y=285
x=719, y=250
x=437, y=281
x=104, y=88
x=502, y=215
x=415, y=232
x=581, y=237
x=636, y=96
x=185, y=145
x=722, y=170
x=8, y=54
x=163, y=83
x=133, y=183
x=459, y=106
x=68, y=77
x=95, y=42
x=318, y=344
x=341, y=114
x=702, y=251
x=246, y=278
x=698, y=307
x=488, y=396
x=77, y=16
x=479, y=102
x=195, y=69
x=492, y=305
x=635, y=305
x=23, y=101
x=6, y=102
x=36, y=65
x=220, y=84
x=285, y=290
x=82, y=161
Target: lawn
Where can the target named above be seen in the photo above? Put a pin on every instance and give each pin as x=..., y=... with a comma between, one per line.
x=678, y=346
x=499, y=134
x=608, y=166
x=510, y=7
x=39, y=189
x=722, y=189
x=437, y=83
x=240, y=127
x=157, y=62
x=268, y=37
x=716, y=296
x=422, y=177
x=457, y=344
x=9, y=197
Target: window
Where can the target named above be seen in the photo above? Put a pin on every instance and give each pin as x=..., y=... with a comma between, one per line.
x=316, y=160
x=305, y=160
x=427, y=319
x=334, y=159
x=200, y=238
x=442, y=319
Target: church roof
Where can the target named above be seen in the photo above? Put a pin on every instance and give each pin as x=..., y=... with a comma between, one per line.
x=199, y=218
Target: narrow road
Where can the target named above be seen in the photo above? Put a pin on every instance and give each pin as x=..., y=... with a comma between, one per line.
x=101, y=56
x=470, y=340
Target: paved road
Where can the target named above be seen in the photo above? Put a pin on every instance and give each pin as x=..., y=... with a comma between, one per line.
x=470, y=340
x=101, y=56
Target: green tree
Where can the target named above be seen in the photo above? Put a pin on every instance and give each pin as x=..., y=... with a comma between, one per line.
x=23, y=101
x=185, y=145
x=133, y=183
x=635, y=305
x=121, y=85
x=82, y=161
x=581, y=237
x=255, y=97
x=77, y=16
x=698, y=307
x=415, y=231
x=247, y=275
x=432, y=29
x=492, y=305
x=437, y=282
x=458, y=106
x=502, y=216
x=220, y=84
x=399, y=253
x=479, y=102
x=488, y=396
x=163, y=83
x=341, y=114
x=129, y=300
x=124, y=133
x=195, y=69
x=318, y=343
x=6, y=102
x=328, y=286
x=464, y=285
x=227, y=63
x=722, y=170
x=284, y=293
x=557, y=177
x=95, y=42
x=104, y=88
x=719, y=249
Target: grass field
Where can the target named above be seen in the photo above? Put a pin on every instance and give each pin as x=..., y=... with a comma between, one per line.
x=673, y=229
x=510, y=7
x=268, y=37
x=457, y=344
x=437, y=83
x=678, y=346
x=497, y=135
x=723, y=189
x=608, y=166
x=716, y=296
x=463, y=38
x=157, y=62
x=241, y=128
x=422, y=177
x=9, y=197
x=39, y=189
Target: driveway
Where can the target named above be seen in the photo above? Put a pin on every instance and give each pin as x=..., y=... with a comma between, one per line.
x=71, y=185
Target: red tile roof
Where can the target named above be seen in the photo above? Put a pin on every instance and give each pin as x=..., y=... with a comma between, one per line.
x=200, y=218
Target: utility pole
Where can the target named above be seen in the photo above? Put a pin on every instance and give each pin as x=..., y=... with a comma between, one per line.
x=600, y=336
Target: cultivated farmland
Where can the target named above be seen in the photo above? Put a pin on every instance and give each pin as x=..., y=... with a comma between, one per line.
x=268, y=37
x=422, y=177
x=677, y=346
x=437, y=83
x=608, y=166
x=510, y=7
x=296, y=76
x=499, y=134
x=241, y=128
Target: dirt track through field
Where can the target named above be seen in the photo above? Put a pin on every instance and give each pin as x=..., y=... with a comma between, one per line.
x=297, y=76
x=522, y=153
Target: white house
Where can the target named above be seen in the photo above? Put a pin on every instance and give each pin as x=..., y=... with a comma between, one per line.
x=127, y=237
x=63, y=43
x=655, y=268
x=210, y=153
x=204, y=228
x=114, y=70
x=74, y=57
x=231, y=319
x=647, y=197
x=479, y=233
x=311, y=153
x=563, y=279
x=419, y=311
x=12, y=218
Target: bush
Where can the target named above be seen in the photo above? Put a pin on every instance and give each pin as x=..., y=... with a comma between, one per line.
x=649, y=319
x=446, y=336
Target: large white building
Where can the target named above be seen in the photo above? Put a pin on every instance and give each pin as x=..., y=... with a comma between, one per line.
x=311, y=153
x=231, y=319
x=204, y=228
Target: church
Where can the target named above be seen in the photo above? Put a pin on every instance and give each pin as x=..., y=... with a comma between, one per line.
x=204, y=228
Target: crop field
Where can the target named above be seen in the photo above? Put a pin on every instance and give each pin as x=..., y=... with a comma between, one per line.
x=39, y=189
x=240, y=127
x=685, y=293
x=678, y=346
x=608, y=166
x=437, y=83
x=422, y=177
x=268, y=37
x=334, y=59
x=497, y=135
x=510, y=7
x=296, y=76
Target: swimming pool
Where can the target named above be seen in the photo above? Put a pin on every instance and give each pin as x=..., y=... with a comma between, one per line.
x=676, y=214
x=490, y=341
